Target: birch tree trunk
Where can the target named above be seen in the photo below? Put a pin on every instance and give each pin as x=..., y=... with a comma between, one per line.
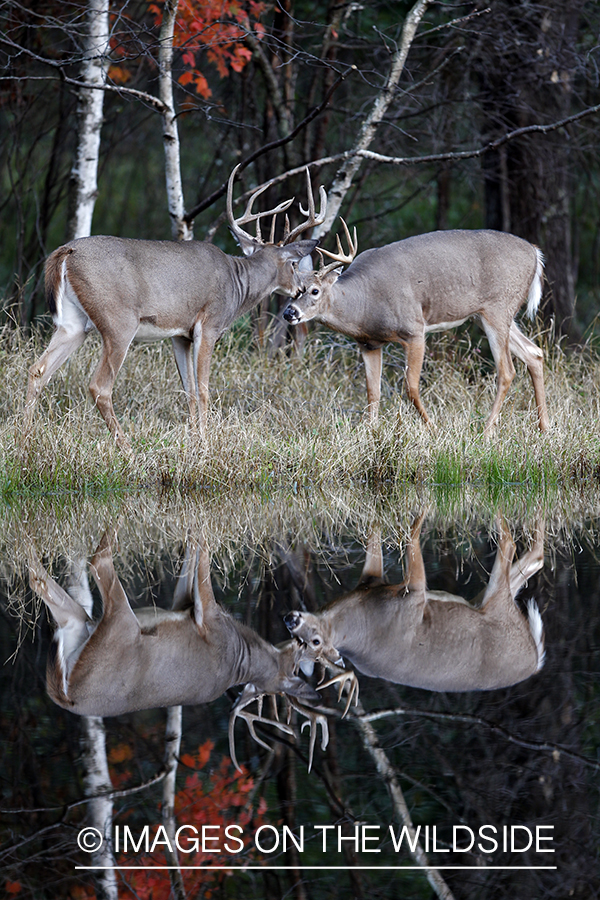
x=96, y=776
x=172, y=747
x=84, y=173
x=345, y=174
x=180, y=229
x=97, y=781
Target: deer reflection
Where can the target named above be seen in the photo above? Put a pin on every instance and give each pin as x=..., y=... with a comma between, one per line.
x=189, y=654
x=408, y=634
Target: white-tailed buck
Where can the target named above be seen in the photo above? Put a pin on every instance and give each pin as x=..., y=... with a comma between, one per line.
x=189, y=654
x=431, y=282
x=408, y=634
x=139, y=290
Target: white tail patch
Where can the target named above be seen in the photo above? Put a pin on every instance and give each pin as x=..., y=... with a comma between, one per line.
x=536, y=628
x=60, y=294
x=535, y=291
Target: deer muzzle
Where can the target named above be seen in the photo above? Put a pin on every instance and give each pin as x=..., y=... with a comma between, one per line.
x=292, y=314
x=292, y=620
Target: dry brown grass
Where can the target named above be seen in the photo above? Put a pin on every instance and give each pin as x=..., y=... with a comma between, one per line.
x=295, y=423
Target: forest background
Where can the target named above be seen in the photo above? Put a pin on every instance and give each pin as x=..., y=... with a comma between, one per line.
x=486, y=124
x=127, y=119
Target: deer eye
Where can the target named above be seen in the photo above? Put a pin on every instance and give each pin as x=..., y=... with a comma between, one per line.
x=316, y=642
x=315, y=291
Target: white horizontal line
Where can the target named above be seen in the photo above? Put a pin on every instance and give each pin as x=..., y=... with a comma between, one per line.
x=344, y=868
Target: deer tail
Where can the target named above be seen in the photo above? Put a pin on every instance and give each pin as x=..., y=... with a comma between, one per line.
x=535, y=290
x=55, y=275
x=536, y=629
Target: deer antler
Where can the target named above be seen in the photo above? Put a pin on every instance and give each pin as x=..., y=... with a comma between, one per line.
x=312, y=218
x=249, y=216
x=314, y=718
x=248, y=696
x=340, y=257
x=346, y=679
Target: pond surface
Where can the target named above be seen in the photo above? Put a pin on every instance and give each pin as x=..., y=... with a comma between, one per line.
x=467, y=654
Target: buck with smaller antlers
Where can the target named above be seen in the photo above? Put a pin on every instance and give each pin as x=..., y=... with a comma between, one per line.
x=411, y=635
x=191, y=292
x=189, y=654
x=430, y=282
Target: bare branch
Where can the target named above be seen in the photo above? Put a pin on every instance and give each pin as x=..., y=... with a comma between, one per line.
x=344, y=176
x=451, y=156
x=76, y=82
x=547, y=746
x=266, y=148
x=389, y=775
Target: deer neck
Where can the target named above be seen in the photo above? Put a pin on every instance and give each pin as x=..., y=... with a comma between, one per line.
x=344, y=309
x=257, y=661
x=255, y=277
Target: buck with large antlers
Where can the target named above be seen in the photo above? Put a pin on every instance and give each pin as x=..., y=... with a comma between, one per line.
x=411, y=635
x=138, y=290
x=189, y=654
x=431, y=282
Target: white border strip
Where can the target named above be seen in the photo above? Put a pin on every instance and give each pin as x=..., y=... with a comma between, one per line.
x=343, y=868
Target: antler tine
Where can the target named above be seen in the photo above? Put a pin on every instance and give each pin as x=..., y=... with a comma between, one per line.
x=314, y=718
x=312, y=219
x=340, y=257
x=239, y=711
x=345, y=679
x=248, y=215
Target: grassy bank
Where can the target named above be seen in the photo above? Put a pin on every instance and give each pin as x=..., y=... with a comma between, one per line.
x=294, y=423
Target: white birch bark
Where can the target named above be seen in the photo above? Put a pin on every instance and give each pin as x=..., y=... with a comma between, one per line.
x=99, y=809
x=345, y=174
x=96, y=776
x=180, y=230
x=84, y=174
x=172, y=748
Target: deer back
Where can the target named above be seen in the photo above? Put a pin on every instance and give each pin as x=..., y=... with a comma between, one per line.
x=411, y=635
x=435, y=640
x=152, y=657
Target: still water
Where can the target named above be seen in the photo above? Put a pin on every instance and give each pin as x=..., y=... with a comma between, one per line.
x=456, y=753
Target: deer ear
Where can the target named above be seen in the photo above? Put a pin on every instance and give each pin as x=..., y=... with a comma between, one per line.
x=298, y=688
x=299, y=249
x=247, y=245
x=307, y=666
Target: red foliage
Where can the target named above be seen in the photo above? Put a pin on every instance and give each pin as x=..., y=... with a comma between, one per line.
x=218, y=798
x=217, y=26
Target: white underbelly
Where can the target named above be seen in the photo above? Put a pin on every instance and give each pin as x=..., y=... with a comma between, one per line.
x=444, y=326
x=149, y=332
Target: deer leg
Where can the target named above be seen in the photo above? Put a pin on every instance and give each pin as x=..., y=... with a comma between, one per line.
x=204, y=598
x=530, y=563
x=416, y=578
x=372, y=571
x=532, y=356
x=504, y=368
x=117, y=614
x=203, y=348
x=66, y=611
x=182, y=350
x=497, y=592
x=415, y=351
x=103, y=379
x=63, y=343
x=372, y=361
